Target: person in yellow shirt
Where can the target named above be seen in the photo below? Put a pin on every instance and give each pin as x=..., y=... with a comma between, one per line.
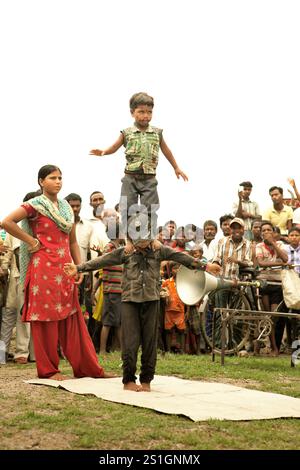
x=279, y=215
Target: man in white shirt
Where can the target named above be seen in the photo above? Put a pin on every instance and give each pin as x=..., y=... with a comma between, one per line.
x=209, y=244
x=100, y=238
x=84, y=228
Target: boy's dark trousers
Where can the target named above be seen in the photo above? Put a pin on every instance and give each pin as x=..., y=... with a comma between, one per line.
x=145, y=187
x=139, y=327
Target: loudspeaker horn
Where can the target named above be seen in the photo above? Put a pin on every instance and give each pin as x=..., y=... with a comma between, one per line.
x=192, y=285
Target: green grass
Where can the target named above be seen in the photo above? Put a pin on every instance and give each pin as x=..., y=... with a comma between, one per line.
x=58, y=419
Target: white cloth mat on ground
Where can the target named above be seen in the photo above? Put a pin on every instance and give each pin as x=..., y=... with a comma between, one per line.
x=197, y=400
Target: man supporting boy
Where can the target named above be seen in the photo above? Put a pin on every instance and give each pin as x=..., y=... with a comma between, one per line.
x=140, y=298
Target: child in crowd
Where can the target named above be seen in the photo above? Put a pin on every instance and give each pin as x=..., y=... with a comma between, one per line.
x=174, y=311
x=112, y=280
x=293, y=252
x=192, y=312
x=142, y=143
x=293, y=247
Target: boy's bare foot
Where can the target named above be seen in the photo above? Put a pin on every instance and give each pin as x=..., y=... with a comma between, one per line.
x=146, y=387
x=59, y=376
x=133, y=387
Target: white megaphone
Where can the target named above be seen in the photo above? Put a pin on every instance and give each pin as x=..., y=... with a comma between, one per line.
x=192, y=285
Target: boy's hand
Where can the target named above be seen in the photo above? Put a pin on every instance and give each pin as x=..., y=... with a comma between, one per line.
x=97, y=249
x=179, y=173
x=97, y=152
x=70, y=269
x=213, y=268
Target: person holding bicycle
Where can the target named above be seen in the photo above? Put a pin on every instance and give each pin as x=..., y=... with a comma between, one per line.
x=269, y=254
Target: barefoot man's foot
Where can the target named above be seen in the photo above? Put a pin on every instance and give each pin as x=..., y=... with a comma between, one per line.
x=146, y=387
x=133, y=387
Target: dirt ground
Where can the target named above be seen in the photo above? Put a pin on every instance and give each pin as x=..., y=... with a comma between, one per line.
x=16, y=398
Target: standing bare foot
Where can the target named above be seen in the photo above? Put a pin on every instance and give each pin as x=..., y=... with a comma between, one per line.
x=59, y=376
x=146, y=387
x=133, y=387
x=109, y=375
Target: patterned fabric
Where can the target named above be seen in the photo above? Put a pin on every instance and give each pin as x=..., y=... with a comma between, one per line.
x=142, y=149
x=112, y=275
x=50, y=295
x=266, y=253
x=293, y=256
x=174, y=311
x=226, y=249
x=62, y=216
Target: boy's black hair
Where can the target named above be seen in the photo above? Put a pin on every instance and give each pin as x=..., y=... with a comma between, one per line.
x=225, y=217
x=294, y=229
x=246, y=184
x=171, y=222
x=254, y=221
x=73, y=197
x=276, y=187
x=267, y=222
x=95, y=192
x=140, y=99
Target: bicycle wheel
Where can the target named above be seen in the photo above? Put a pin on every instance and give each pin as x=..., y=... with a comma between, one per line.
x=237, y=331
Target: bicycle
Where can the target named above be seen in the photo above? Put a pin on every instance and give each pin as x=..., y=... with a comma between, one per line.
x=238, y=332
x=227, y=329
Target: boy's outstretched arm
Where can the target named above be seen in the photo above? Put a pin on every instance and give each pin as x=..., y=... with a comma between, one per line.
x=112, y=149
x=109, y=259
x=170, y=157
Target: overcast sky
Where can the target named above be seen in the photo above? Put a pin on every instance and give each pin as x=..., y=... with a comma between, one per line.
x=225, y=76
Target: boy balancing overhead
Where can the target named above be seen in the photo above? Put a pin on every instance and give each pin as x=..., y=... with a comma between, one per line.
x=142, y=143
x=140, y=296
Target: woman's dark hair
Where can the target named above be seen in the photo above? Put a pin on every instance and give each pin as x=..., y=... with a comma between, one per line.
x=31, y=195
x=46, y=170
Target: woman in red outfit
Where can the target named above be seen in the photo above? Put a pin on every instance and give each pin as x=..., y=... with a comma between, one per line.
x=51, y=299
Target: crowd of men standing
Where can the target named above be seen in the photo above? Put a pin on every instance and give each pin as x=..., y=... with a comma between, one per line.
x=247, y=238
